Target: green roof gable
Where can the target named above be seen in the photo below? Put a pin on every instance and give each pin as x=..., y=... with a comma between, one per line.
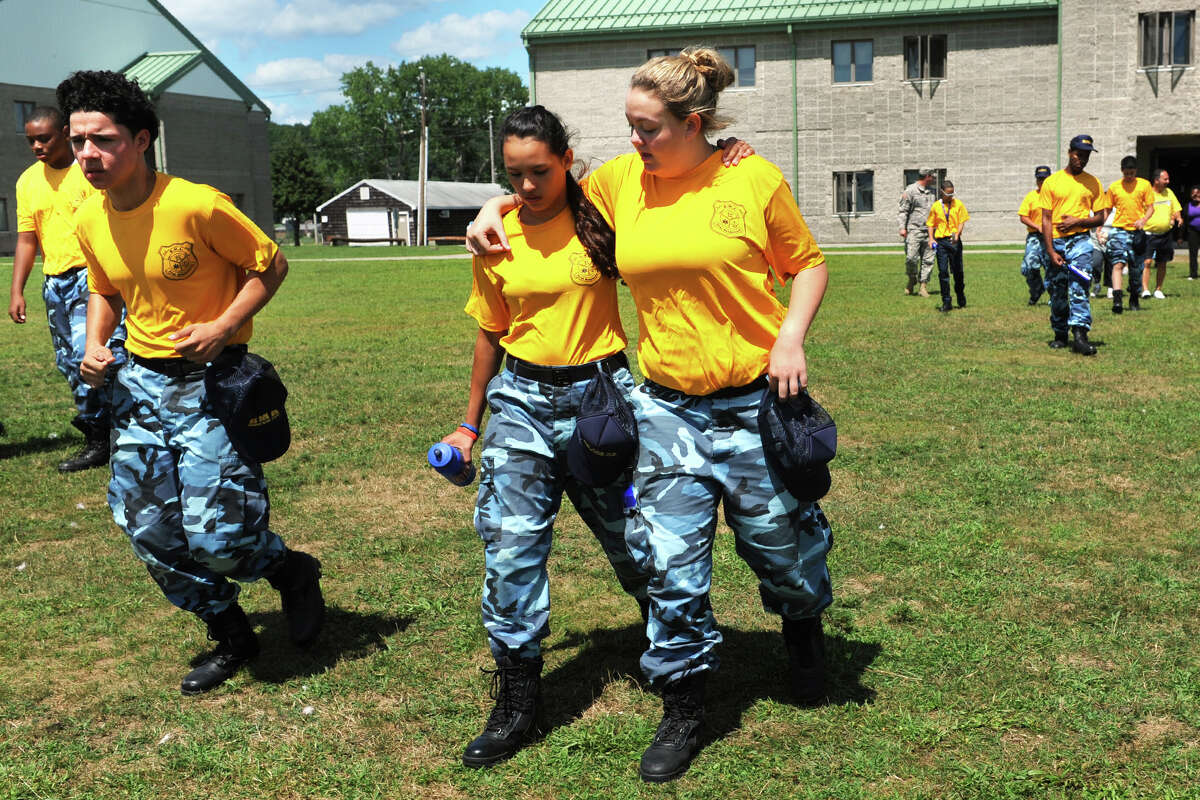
x=579, y=19
x=154, y=72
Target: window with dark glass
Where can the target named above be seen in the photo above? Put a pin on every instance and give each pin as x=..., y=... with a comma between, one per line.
x=853, y=61
x=1166, y=38
x=742, y=59
x=3, y=213
x=911, y=176
x=925, y=57
x=22, y=110
x=853, y=192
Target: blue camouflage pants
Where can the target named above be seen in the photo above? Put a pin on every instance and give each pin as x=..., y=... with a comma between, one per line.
x=194, y=511
x=1119, y=250
x=1069, y=284
x=1033, y=263
x=696, y=454
x=66, y=296
x=523, y=474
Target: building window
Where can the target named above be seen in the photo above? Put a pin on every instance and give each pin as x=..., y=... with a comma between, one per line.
x=853, y=192
x=925, y=57
x=911, y=175
x=1166, y=38
x=3, y=213
x=740, y=58
x=852, y=61
x=22, y=110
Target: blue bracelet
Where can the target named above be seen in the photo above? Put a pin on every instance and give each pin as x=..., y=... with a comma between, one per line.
x=469, y=427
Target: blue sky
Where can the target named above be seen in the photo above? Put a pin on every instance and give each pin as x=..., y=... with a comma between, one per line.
x=292, y=52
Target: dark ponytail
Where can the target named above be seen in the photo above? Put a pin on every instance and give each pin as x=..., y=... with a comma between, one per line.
x=595, y=234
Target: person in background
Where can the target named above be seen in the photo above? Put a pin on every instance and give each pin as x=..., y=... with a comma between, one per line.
x=1035, y=260
x=1166, y=214
x=1132, y=201
x=946, y=222
x=915, y=202
x=1192, y=231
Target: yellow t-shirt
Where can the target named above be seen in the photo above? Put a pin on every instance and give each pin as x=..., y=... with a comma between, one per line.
x=946, y=223
x=556, y=306
x=701, y=253
x=1129, y=205
x=1067, y=195
x=1165, y=205
x=47, y=199
x=177, y=259
x=1032, y=209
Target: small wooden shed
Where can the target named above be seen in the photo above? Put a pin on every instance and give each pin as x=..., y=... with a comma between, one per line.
x=385, y=212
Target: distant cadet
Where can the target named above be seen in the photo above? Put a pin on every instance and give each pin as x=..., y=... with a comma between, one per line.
x=946, y=222
x=1132, y=201
x=48, y=195
x=192, y=271
x=1166, y=213
x=1072, y=203
x=1035, y=260
x=915, y=202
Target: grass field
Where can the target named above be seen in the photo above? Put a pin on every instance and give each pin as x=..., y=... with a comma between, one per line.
x=1015, y=573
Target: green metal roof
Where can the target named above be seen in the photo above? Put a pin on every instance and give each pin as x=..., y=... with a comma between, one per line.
x=154, y=72
x=576, y=19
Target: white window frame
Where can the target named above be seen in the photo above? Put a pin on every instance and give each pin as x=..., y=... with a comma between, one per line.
x=854, y=177
x=854, y=77
x=1157, y=34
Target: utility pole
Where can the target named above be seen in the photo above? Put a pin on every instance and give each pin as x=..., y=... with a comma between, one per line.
x=491, y=148
x=422, y=168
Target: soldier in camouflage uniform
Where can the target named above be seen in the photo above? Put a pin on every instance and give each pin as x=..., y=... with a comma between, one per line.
x=195, y=511
x=551, y=304
x=915, y=202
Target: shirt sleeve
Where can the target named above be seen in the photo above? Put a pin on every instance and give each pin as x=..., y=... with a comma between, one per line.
x=966, y=215
x=235, y=238
x=1026, y=207
x=791, y=247
x=906, y=205
x=932, y=218
x=1175, y=207
x=486, y=304
x=1046, y=196
x=601, y=188
x=26, y=220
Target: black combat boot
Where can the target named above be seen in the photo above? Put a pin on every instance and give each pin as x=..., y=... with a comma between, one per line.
x=236, y=644
x=1117, y=305
x=1034, y=297
x=95, y=450
x=1135, y=304
x=298, y=581
x=1059, y=341
x=678, y=736
x=805, y=642
x=1081, y=344
x=517, y=690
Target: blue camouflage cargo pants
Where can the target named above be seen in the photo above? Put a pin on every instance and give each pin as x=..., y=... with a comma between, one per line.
x=523, y=474
x=1069, y=285
x=1033, y=263
x=1119, y=250
x=194, y=511
x=696, y=454
x=66, y=296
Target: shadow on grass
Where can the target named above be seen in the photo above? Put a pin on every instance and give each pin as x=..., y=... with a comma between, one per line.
x=754, y=667
x=42, y=444
x=345, y=635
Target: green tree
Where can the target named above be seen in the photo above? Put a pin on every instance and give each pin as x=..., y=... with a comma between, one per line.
x=376, y=132
x=297, y=186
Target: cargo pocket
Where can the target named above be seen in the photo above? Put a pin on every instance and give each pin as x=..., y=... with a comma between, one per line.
x=488, y=514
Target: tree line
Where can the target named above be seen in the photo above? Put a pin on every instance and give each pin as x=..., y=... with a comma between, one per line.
x=376, y=132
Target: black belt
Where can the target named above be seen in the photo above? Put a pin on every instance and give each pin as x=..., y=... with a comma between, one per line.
x=180, y=367
x=563, y=376
x=667, y=393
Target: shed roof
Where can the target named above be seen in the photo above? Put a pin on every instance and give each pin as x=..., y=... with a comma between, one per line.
x=438, y=194
x=154, y=72
x=572, y=19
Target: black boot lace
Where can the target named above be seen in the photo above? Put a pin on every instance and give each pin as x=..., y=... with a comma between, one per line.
x=508, y=690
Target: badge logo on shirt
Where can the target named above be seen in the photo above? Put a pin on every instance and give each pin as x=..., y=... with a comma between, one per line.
x=728, y=219
x=583, y=271
x=178, y=261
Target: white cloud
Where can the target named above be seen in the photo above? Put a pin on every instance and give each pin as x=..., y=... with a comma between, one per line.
x=482, y=36
x=241, y=19
x=296, y=73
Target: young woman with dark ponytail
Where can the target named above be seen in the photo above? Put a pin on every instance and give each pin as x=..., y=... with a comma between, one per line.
x=550, y=303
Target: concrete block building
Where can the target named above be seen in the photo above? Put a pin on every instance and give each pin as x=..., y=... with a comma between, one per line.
x=849, y=98
x=214, y=130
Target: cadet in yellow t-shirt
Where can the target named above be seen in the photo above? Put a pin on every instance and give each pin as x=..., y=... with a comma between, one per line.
x=1166, y=212
x=1132, y=201
x=1035, y=260
x=192, y=271
x=1072, y=203
x=48, y=194
x=550, y=303
x=947, y=219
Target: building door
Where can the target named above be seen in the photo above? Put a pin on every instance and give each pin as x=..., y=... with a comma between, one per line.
x=367, y=224
x=1178, y=155
x=402, y=227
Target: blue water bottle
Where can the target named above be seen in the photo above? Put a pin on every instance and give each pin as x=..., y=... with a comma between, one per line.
x=629, y=501
x=450, y=463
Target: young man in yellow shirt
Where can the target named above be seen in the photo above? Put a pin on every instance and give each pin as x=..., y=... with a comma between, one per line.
x=191, y=271
x=946, y=221
x=1165, y=213
x=1072, y=203
x=1132, y=201
x=1035, y=260
x=48, y=195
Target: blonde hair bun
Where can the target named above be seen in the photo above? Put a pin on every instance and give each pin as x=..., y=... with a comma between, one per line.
x=688, y=84
x=715, y=70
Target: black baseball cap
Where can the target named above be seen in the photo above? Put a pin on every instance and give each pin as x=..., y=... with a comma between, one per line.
x=1082, y=142
x=1041, y=172
x=799, y=439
